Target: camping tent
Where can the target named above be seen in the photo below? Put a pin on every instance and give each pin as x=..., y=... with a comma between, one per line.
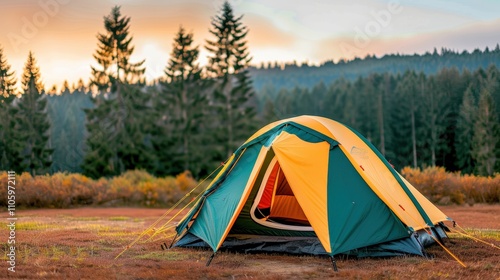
x=311, y=185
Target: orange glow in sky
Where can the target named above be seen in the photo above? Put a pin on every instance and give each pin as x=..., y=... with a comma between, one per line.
x=62, y=33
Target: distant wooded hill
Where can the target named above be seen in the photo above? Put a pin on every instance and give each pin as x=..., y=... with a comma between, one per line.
x=290, y=75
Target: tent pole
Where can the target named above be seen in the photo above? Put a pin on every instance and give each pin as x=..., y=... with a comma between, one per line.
x=334, y=264
x=173, y=240
x=210, y=259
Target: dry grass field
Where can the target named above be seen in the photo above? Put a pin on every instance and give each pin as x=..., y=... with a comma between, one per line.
x=82, y=244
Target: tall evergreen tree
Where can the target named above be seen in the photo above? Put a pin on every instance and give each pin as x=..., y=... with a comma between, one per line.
x=366, y=91
x=341, y=102
x=10, y=141
x=7, y=79
x=33, y=120
x=493, y=76
x=268, y=112
x=65, y=87
x=113, y=55
x=319, y=92
x=285, y=101
x=465, y=132
x=68, y=132
x=486, y=135
x=118, y=138
x=451, y=84
x=80, y=87
x=404, y=121
x=181, y=108
x=435, y=111
x=386, y=90
x=117, y=126
x=233, y=95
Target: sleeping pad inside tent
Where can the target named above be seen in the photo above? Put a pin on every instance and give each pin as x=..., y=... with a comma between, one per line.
x=311, y=185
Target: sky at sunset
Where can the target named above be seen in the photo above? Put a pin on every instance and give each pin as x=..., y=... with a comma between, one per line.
x=62, y=33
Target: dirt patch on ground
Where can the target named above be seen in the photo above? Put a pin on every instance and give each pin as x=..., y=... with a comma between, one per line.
x=479, y=216
x=83, y=243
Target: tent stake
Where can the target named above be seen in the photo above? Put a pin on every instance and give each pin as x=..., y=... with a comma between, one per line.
x=210, y=259
x=334, y=264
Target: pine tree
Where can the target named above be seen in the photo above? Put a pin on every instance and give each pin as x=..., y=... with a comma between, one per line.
x=386, y=90
x=366, y=90
x=268, y=112
x=80, y=87
x=451, y=85
x=435, y=110
x=181, y=108
x=486, y=135
x=10, y=141
x=318, y=92
x=493, y=76
x=33, y=120
x=7, y=79
x=118, y=139
x=285, y=108
x=113, y=55
x=65, y=87
x=68, y=132
x=233, y=96
x=340, y=103
x=465, y=132
x=404, y=121
x=117, y=125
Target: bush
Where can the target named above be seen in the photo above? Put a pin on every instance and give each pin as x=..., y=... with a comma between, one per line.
x=132, y=188
x=440, y=186
x=139, y=188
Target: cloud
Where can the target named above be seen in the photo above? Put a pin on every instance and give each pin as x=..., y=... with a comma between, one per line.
x=262, y=33
x=468, y=37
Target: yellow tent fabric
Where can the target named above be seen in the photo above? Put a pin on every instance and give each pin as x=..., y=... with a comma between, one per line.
x=432, y=211
x=305, y=165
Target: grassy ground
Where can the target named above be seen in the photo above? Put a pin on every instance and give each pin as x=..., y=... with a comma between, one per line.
x=82, y=244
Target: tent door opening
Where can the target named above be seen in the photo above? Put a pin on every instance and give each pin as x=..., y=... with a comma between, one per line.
x=275, y=205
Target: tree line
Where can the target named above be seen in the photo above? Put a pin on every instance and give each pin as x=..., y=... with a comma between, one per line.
x=194, y=117
x=191, y=119
x=291, y=74
x=449, y=119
